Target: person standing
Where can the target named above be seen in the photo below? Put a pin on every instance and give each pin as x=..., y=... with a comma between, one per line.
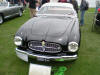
x=75, y=5
x=44, y=1
x=32, y=6
x=38, y=4
x=17, y=2
x=24, y=3
x=98, y=17
x=69, y=1
x=63, y=1
x=83, y=8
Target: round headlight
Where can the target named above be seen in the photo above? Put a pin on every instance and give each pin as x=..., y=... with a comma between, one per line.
x=18, y=40
x=73, y=46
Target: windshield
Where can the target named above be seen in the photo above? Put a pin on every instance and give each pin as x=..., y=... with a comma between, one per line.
x=55, y=10
x=3, y=4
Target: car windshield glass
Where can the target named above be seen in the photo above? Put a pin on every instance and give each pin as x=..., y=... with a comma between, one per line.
x=55, y=10
x=3, y=4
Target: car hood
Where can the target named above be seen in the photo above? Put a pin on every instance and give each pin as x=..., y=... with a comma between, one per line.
x=48, y=29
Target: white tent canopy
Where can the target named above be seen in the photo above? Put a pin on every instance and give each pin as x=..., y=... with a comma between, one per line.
x=92, y=3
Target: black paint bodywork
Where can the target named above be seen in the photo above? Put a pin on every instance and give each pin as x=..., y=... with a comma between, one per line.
x=56, y=29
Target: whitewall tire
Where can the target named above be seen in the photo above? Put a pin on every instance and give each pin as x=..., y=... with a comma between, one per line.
x=20, y=12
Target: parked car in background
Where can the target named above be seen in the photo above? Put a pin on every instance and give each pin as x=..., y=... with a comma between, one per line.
x=8, y=10
x=53, y=35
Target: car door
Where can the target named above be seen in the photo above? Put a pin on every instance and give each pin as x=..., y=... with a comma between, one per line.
x=5, y=9
x=6, y=12
x=13, y=9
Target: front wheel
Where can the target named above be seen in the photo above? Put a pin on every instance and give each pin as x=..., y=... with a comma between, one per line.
x=1, y=19
x=20, y=13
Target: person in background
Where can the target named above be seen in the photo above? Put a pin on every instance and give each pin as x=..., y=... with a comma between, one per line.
x=11, y=1
x=23, y=2
x=98, y=17
x=8, y=0
x=75, y=4
x=62, y=1
x=17, y=2
x=32, y=6
x=69, y=1
x=27, y=1
x=82, y=10
x=38, y=4
x=43, y=1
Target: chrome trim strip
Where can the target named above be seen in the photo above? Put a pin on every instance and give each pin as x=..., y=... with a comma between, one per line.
x=47, y=47
x=53, y=57
x=11, y=15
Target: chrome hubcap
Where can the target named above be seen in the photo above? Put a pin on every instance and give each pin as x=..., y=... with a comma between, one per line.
x=20, y=13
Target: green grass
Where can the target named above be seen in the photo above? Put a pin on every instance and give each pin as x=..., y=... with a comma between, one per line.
x=9, y=63
x=91, y=10
x=88, y=62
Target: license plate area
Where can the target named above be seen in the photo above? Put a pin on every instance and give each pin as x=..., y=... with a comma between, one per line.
x=42, y=59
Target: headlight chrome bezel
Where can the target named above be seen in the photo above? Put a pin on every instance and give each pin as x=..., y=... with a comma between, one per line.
x=18, y=41
x=73, y=47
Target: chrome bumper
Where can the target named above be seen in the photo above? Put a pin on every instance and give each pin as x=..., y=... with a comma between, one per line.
x=24, y=56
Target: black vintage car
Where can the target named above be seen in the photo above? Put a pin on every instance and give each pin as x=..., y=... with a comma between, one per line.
x=53, y=35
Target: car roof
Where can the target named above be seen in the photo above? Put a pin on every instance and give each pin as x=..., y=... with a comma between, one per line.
x=59, y=4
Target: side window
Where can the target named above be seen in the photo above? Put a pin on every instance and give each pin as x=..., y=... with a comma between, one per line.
x=11, y=4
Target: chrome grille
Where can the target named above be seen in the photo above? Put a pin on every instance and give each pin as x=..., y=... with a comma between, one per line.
x=44, y=47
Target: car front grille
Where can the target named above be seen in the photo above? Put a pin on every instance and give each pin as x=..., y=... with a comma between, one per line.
x=44, y=47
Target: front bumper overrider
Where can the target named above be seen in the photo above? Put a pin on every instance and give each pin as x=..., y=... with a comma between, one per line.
x=24, y=55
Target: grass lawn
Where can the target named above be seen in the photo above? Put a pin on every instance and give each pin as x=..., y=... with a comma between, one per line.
x=88, y=62
x=91, y=10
